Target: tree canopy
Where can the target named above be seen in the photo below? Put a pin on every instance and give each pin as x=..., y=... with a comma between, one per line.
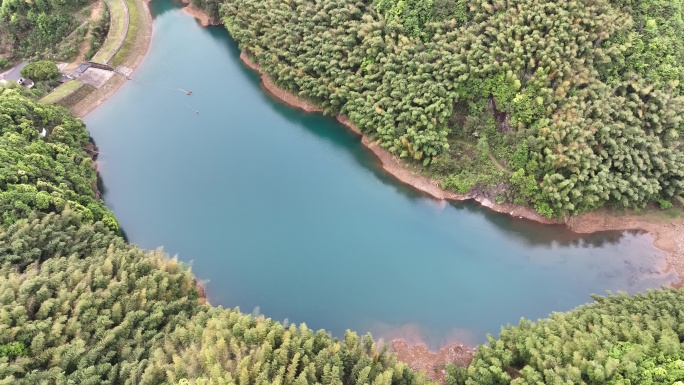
x=40, y=70
x=619, y=339
x=31, y=28
x=45, y=173
x=581, y=100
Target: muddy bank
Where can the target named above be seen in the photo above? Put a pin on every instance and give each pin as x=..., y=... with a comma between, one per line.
x=668, y=233
x=413, y=346
x=204, y=19
x=397, y=168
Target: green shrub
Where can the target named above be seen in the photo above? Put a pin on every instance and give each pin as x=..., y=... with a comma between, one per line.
x=443, y=164
x=525, y=187
x=40, y=70
x=466, y=181
x=98, y=33
x=544, y=209
x=664, y=204
x=13, y=350
x=520, y=157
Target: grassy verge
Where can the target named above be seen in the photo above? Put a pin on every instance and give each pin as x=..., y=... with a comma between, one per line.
x=76, y=96
x=116, y=28
x=134, y=21
x=61, y=92
x=654, y=213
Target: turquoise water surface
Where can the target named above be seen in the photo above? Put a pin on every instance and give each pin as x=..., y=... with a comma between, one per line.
x=287, y=212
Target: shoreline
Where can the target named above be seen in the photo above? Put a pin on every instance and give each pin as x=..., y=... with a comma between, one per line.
x=668, y=234
x=415, y=354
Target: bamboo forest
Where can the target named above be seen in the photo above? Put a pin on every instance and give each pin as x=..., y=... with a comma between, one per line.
x=562, y=106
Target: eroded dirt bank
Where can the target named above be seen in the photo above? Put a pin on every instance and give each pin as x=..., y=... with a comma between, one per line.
x=419, y=358
x=204, y=19
x=668, y=233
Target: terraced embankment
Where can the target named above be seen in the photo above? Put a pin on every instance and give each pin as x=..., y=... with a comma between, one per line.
x=124, y=48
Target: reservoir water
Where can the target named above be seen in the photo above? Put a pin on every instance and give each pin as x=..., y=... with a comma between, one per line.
x=286, y=212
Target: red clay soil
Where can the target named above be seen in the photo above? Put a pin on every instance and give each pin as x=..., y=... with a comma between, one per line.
x=204, y=19
x=419, y=358
x=202, y=299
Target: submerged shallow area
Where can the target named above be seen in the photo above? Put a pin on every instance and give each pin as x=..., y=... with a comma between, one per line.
x=287, y=212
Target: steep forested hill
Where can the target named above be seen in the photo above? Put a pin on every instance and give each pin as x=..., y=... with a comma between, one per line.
x=580, y=100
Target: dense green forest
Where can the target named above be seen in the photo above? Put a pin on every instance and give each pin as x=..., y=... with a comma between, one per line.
x=579, y=101
x=617, y=340
x=39, y=28
x=81, y=306
x=45, y=174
